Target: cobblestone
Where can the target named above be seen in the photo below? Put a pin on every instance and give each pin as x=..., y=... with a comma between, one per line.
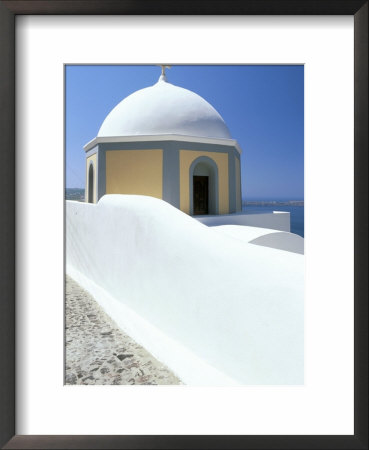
x=98, y=352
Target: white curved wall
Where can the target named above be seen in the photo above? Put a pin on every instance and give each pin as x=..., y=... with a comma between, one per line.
x=276, y=220
x=281, y=240
x=215, y=309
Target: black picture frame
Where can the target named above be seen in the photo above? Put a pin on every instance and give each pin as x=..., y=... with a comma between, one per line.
x=8, y=12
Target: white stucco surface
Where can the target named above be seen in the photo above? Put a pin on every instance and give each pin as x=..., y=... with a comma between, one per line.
x=263, y=236
x=215, y=309
x=164, y=109
x=276, y=220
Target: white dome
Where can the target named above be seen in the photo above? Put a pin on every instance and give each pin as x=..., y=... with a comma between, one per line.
x=164, y=109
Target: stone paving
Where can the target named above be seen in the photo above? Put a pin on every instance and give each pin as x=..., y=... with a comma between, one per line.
x=98, y=352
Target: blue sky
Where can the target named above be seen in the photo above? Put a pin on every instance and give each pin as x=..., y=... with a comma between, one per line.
x=263, y=107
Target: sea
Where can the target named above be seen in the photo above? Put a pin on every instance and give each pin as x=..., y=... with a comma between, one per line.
x=296, y=214
x=256, y=206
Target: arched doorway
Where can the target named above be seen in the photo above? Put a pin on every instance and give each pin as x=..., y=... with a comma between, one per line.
x=91, y=184
x=204, y=186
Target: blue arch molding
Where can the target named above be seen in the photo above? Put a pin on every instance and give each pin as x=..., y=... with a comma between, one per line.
x=213, y=165
x=171, y=167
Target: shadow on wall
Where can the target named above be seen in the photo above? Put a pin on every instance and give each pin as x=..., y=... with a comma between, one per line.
x=283, y=241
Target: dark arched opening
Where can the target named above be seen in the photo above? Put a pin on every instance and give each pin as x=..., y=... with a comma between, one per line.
x=204, y=186
x=91, y=184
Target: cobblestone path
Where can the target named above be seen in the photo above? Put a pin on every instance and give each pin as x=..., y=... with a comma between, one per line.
x=98, y=352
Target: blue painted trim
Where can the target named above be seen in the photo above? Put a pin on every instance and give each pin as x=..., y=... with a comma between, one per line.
x=171, y=174
x=92, y=151
x=181, y=145
x=157, y=145
x=101, y=180
x=171, y=167
x=231, y=183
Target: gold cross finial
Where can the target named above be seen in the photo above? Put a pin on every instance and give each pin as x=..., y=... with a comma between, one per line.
x=163, y=67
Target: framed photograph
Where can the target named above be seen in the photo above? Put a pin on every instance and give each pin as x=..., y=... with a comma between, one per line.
x=194, y=112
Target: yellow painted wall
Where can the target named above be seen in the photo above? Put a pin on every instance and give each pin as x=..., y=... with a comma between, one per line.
x=92, y=158
x=238, y=184
x=135, y=172
x=186, y=157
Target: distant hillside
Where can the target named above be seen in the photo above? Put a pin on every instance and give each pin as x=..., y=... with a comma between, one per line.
x=76, y=194
x=272, y=202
